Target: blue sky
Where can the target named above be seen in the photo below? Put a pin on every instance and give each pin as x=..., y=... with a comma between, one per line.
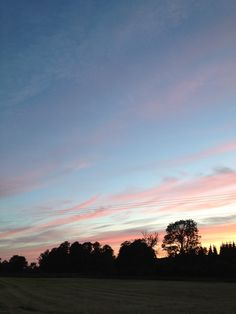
x=106, y=103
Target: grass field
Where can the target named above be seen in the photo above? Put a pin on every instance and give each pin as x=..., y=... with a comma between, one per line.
x=79, y=295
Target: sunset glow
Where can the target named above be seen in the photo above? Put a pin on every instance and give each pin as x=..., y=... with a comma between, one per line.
x=117, y=117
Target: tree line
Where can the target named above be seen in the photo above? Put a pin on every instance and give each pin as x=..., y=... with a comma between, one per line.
x=185, y=257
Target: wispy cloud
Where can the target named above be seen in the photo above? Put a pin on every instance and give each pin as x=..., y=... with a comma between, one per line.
x=214, y=183
x=219, y=220
x=62, y=52
x=91, y=201
x=197, y=89
x=223, y=148
x=172, y=198
x=38, y=178
x=220, y=149
x=12, y=232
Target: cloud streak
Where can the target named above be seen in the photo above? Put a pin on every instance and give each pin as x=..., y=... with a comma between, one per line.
x=216, y=150
x=223, y=148
x=36, y=179
x=172, y=197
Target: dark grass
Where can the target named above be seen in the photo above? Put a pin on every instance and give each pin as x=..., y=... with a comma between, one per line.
x=81, y=295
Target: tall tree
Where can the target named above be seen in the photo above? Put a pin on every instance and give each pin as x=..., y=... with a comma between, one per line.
x=181, y=238
x=17, y=263
x=136, y=258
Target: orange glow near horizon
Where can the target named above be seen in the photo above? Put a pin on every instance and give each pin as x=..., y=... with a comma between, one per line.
x=210, y=235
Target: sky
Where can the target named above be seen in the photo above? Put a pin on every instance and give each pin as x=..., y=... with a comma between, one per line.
x=117, y=117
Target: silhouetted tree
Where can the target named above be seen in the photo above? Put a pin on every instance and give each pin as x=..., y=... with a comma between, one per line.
x=151, y=239
x=181, y=238
x=202, y=251
x=56, y=260
x=107, y=259
x=215, y=250
x=76, y=257
x=96, y=259
x=228, y=251
x=17, y=264
x=62, y=257
x=87, y=248
x=136, y=258
x=45, y=261
x=83, y=258
x=102, y=258
x=4, y=266
x=210, y=251
x=32, y=268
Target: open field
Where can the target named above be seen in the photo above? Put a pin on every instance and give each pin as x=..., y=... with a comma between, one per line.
x=79, y=295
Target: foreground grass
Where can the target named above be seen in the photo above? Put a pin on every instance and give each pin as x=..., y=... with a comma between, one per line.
x=79, y=295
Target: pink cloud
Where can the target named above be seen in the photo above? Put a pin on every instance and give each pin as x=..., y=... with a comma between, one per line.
x=193, y=82
x=186, y=205
x=172, y=188
x=212, y=151
x=12, y=232
x=174, y=195
x=35, y=179
x=202, y=193
x=22, y=183
x=92, y=200
x=57, y=222
x=171, y=196
x=212, y=184
x=74, y=218
x=222, y=148
x=189, y=94
x=163, y=188
x=197, y=194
